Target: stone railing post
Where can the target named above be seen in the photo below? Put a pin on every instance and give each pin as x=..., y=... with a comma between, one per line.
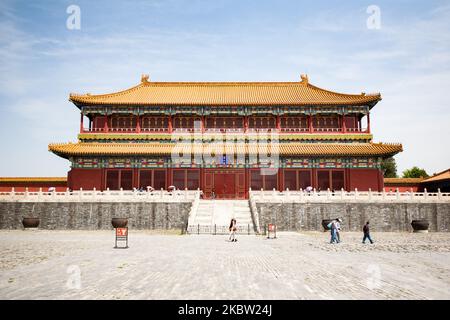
x=328, y=194
x=26, y=193
x=383, y=195
x=40, y=194
x=67, y=194
x=185, y=193
x=80, y=194
x=262, y=194
x=356, y=193
x=162, y=193
x=439, y=195
x=288, y=195
x=425, y=194
x=397, y=193
x=94, y=193
x=13, y=193
x=121, y=192
x=342, y=193
x=370, y=194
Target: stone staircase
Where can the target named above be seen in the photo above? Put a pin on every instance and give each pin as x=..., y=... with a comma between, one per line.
x=213, y=216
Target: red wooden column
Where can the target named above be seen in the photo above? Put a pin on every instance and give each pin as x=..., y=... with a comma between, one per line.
x=170, y=124
x=344, y=127
x=247, y=182
x=280, y=178
x=106, y=128
x=368, y=122
x=278, y=123
x=245, y=124
x=135, y=179
x=203, y=124
x=81, y=123
x=138, y=124
x=310, y=124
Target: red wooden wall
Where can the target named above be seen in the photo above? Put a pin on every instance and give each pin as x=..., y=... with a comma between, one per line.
x=226, y=182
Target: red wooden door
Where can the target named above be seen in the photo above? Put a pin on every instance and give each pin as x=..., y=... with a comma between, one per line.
x=225, y=185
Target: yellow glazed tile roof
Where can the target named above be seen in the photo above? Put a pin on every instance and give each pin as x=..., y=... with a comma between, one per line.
x=444, y=175
x=286, y=149
x=398, y=181
x=33, y=179
x=225, y=93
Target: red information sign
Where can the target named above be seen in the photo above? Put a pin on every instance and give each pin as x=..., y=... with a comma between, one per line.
x=272, y=228
x=122, y=235
x=121, y=232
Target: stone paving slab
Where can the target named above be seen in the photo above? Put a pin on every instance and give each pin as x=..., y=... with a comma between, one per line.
x=45, y=264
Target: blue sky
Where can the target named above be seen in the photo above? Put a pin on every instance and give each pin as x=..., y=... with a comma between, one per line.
x=41, y=62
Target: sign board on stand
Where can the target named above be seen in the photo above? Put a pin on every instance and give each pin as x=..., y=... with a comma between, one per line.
x=122, y=235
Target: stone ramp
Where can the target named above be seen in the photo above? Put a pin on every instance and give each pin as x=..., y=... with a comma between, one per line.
x=214, y=216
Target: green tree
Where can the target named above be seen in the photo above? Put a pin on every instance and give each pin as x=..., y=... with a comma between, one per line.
x=389, y=168
x=415, y=172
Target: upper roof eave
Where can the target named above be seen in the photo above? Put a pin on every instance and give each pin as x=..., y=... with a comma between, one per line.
x=225, y=94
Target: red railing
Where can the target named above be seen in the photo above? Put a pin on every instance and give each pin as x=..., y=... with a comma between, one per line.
x=222, y=130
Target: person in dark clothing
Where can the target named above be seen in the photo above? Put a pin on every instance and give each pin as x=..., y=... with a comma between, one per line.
x=233, y=229
x=366, y=232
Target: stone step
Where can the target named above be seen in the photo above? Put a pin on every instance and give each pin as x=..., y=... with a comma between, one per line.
x=220, y=212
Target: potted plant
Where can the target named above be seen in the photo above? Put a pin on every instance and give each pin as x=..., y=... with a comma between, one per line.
x=30, y=222
x=420, y=225
x=119, y=222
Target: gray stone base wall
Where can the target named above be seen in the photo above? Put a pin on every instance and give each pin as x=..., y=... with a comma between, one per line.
x=92, y=216
x=382, y=216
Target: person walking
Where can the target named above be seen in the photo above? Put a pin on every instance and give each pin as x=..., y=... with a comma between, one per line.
x=233, y=230
x=338, y=229
x=366, y=232
x=332, y=226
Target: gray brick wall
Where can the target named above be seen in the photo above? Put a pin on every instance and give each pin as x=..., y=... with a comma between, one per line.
x=91, y=216
x=382, y=216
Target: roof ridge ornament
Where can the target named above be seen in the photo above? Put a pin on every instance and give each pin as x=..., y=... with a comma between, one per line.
x=304, y=79
x=145, y=78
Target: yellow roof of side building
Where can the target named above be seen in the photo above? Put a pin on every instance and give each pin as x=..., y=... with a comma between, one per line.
x=225, y=94
x=285, y=149
x=400, y=181
x=32, y=179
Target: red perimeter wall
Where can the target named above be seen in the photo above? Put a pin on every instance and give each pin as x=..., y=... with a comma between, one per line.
x=32, y=186
x=401, y=188
x=364, y=179
x=88, y=179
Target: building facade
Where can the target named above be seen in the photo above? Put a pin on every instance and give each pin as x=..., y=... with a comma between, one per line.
x=224, y=138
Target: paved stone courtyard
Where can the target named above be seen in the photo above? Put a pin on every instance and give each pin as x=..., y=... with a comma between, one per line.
x=43, y=264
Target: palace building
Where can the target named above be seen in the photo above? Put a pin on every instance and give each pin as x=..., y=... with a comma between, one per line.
x=224, y=138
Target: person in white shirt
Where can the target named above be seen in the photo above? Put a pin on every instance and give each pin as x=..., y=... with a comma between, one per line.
x=338, y=229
